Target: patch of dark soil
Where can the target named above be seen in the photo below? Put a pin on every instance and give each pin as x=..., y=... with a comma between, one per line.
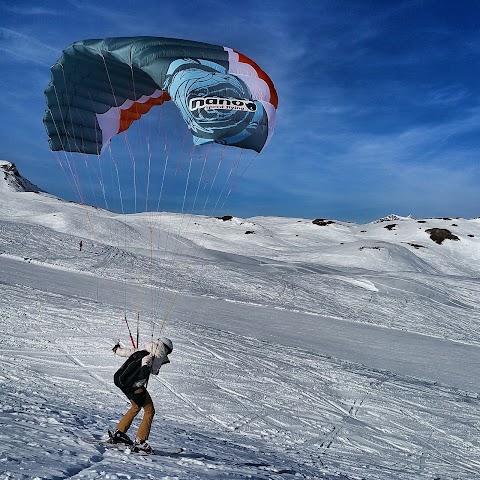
x=438, y=235
x=322, y=222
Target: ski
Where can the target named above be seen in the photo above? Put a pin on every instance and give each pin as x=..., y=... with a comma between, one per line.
x=170, y=451
x=123, y=446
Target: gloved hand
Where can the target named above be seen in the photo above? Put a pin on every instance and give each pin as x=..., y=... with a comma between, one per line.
x=116, y=347
x=147, y=361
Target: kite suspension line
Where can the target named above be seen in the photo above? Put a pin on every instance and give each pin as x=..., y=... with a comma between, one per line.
x=138, y=328
x=101, y=182
x=86, y=123
x=235, y=181
x=184, y=227
x=176, y=248
x=130, y=332
x=122, y=204
x=219, y=163
x=159, y=293
x=67, y=160
x=69, y=163
x=134, y=167
x=69, y=157
x=238, y=177
x=233, y=167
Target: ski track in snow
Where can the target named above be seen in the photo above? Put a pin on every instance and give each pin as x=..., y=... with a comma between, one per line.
x=239, y=406
x=243, y=403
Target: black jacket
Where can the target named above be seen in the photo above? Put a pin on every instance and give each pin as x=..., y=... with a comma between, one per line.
x=132, y=374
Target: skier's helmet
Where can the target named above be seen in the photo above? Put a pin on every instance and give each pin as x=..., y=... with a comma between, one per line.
x=168, y=343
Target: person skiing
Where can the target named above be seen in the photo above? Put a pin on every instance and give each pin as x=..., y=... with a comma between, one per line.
x=132, y=378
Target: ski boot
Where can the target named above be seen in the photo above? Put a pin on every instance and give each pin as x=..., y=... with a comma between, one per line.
x=119, y=437
x=142, y=446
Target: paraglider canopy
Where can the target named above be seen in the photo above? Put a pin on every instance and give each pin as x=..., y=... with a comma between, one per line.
x=99, y=88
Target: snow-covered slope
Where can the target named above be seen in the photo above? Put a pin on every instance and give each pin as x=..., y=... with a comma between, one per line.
x=303, y=349
x=13, y=181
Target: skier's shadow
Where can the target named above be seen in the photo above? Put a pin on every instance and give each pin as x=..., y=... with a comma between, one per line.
x=185, y=454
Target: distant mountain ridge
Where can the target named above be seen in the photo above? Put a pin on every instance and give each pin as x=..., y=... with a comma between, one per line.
x=393, y=218
x=14, y=180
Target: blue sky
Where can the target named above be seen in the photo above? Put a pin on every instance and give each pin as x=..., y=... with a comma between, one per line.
x=379, y=100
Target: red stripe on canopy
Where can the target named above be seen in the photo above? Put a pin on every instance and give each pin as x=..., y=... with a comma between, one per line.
x=261, y=74
x=134, y=112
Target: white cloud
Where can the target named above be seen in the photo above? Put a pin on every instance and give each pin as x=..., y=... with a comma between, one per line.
x=25, y=47
x=31, y=10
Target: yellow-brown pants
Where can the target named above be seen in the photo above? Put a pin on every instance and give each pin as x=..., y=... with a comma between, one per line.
x=145, y=425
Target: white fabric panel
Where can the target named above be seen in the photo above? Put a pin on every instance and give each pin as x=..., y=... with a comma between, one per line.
x=110, y=124
x=259, y=88
x=271, y=115
x=110, y=120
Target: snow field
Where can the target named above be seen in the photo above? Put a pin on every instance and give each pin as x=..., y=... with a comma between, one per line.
x=301, y=351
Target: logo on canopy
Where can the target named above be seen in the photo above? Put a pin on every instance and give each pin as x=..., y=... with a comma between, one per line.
x=219, y=103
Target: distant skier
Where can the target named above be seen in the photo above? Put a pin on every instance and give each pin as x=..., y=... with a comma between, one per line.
x=81, y=245
x=132, y=379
